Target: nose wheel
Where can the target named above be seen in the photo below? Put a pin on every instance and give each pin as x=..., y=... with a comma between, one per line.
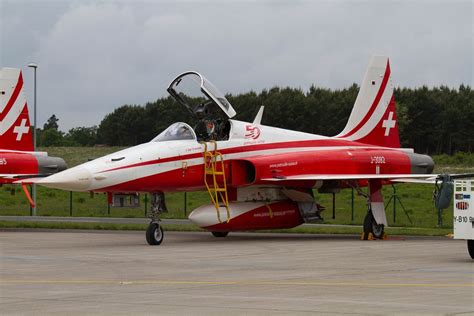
x=154, y=234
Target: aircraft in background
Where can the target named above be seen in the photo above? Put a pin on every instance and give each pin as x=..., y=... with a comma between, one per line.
x=257, y=176
x=18, y=159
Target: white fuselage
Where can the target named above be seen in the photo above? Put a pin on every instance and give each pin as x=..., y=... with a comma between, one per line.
x=154, y=158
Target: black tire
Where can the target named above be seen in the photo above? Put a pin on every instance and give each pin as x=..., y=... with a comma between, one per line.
x=220, y=234
x=154, y=234
x=371, y=226
x=470, y=247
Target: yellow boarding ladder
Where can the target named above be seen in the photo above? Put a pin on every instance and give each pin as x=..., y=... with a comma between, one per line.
x=214, y=166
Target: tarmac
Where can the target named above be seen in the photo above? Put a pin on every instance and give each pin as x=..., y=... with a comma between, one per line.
x=97, y=272
x=122, y=220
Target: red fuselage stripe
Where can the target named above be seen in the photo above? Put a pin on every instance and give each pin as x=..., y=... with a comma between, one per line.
x=374, y=104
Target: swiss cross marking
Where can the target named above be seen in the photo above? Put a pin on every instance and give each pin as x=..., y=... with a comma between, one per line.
x=388, y=123
x=21, y=129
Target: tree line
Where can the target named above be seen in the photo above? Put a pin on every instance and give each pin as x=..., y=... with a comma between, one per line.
x=438, y=120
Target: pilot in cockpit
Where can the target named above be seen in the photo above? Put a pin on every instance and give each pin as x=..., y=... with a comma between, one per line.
x=206, y=130
x=212, y=129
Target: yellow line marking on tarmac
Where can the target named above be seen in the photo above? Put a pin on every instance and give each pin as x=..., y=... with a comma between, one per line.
x=250, y=283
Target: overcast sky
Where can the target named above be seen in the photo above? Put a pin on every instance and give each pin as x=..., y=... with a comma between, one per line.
x=94, y=56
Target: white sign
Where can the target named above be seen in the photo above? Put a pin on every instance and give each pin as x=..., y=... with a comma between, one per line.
x=463, y=207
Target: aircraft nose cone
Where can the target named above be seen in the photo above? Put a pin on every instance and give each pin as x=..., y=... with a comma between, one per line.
x=75, y=179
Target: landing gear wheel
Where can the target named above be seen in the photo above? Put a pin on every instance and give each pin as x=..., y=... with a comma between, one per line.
x=470, y=247
x=371, y=226
x=154, y=234
x=220, y=234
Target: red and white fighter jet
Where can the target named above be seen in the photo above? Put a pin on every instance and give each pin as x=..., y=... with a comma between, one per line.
x=17, y=158
x=259, y=177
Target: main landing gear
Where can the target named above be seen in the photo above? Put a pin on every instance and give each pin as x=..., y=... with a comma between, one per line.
x=375, y=209
x=371, y=228
x=154, y=233
x=220, y=234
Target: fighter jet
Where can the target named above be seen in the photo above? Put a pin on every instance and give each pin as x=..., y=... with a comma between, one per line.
x=258, y=176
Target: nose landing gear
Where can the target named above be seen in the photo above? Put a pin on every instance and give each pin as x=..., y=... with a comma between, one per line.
x=154, y=233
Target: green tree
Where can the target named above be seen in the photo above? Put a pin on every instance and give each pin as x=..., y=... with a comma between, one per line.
x=51, y=123
x=125, y=126
x=81, y=136
x=51, y=137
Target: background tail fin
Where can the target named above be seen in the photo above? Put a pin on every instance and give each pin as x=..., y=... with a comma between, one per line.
x=15, y=129
x=373, y=119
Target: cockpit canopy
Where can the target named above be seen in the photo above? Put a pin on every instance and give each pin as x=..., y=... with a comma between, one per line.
x=195, y=92
x=176, y=131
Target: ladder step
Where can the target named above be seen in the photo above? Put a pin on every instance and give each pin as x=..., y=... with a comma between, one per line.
x=218, y=189
x=217, y=173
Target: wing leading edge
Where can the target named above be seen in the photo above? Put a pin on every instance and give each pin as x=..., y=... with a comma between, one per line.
x=411, y=178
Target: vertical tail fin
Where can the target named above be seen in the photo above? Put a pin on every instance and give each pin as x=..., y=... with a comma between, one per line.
x=373, y=119
x=15, y=131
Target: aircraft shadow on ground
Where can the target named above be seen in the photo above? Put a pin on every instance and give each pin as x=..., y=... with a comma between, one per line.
x=233, y=238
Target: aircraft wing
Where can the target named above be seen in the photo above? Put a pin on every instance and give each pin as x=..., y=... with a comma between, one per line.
x=411, y=178
x=19, y=176
x=436, y=178
x=404, y=178
x=420, y=181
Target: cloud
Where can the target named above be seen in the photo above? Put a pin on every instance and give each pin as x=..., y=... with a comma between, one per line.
x=96, y=56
